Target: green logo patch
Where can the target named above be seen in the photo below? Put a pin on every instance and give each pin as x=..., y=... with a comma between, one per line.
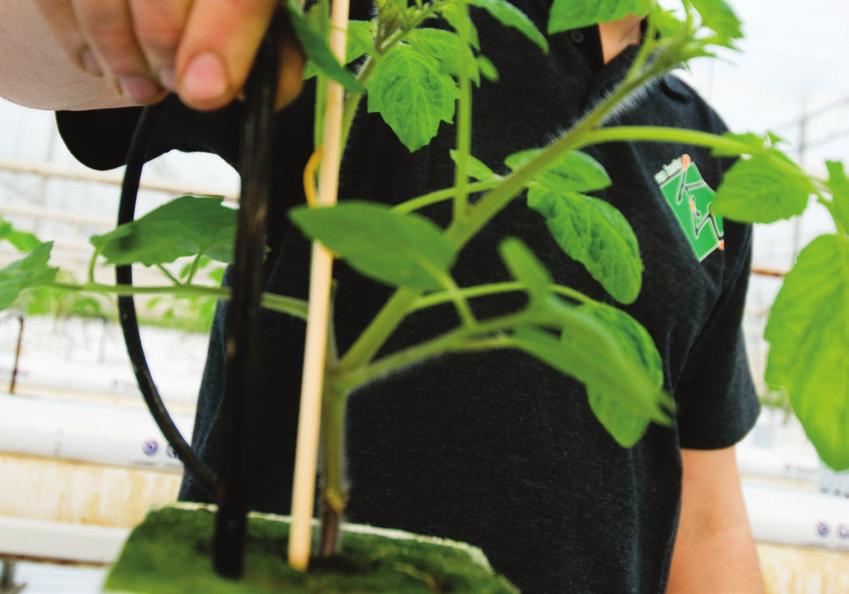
x=691, y=200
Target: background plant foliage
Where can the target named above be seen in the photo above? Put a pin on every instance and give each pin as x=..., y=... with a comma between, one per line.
x=419, y=78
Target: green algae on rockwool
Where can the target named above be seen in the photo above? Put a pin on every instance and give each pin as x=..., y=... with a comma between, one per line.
x=169, y=553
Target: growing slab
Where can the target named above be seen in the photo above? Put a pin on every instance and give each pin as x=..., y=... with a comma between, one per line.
x=169, y=553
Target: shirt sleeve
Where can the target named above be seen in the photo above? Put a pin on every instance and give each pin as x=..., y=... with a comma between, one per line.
x=101, y=138
x=98, y=139
x=717, y=401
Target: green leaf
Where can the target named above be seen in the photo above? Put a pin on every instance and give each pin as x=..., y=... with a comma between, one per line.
x=21, y=240
x=808, y=332
x=360, y=39
x=187, y=226
x=477, y=168
x=574, y=14
x=589, y=352
x=838, y=183
x=217, y=275
x=525, y=267
x=626, y=427
x=454, y=16
x=360, y=42
x=445, y=47
x=666, y=22
x=760, y=190
x=510, y=16
x=394, y=13
x=413, y=95
x=402, y=250
x=30, y=271
x=83, y=306
x=573, y=172
x=595, y=234
x=487, y=69
x=718, y=16
x=318, y=52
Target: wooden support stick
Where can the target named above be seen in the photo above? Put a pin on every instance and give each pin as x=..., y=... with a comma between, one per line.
x=315, y=350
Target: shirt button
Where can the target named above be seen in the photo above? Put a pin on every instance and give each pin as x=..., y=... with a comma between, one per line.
x=577, y=36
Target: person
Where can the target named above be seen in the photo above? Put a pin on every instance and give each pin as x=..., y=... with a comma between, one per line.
x=495, y=449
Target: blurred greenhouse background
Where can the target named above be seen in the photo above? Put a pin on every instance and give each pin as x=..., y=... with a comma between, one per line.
x=792, y=77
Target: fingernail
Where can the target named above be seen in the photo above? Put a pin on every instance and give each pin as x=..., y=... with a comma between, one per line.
x=168, y=78
x=89, y=63
x=138, y=88
x=205, y=78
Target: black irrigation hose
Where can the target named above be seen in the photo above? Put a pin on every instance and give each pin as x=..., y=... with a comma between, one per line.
x=127, y=310
x=242, y=322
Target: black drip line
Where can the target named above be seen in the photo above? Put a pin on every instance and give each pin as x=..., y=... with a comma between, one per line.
x=127, y=310
x=242, y=323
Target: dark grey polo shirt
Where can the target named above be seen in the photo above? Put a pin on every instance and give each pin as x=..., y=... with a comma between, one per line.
x=496, y=448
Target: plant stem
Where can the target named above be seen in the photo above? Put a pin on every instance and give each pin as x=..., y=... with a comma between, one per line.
x=437, y=196
x=455, y=294
x=91, y=265
x=829, y=205
x=502, y=341
x=168, y=275
x=496, y=199
x=696, y=138
x=279, y=303
x=382, y=325
x=648, y=46
x=334, y=487
x=334, y=490
x=441, y=298
x=460, y=231
x=126, y=290
x=464, y=119
x=194, y=269
x=665, y=134
x=679, y=135
x=321, y=80
x=296, y=308
x=353, y=98
x=457, y=339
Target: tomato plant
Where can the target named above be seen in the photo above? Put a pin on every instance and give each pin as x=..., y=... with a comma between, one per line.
x=419, y=78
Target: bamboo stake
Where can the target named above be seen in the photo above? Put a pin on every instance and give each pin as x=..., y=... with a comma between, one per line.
x=306, y=455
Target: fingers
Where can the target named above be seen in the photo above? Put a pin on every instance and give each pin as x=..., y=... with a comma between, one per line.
x=218, y=48
x=59, y=15
x=291, y=79
x=158, y=27
x=203, y=49
x=107, y=26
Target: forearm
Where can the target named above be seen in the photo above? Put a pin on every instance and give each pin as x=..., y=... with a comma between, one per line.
x=722, y=562
x=34, y=70
x=714, y=550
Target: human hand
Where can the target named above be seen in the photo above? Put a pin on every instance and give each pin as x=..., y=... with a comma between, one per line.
x=201, y=49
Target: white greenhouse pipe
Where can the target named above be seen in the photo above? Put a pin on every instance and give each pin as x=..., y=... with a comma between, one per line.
x=123, y=436
x=87, y=432
x=90, y=379
x=776, y=463
x=53, y=541
x=51, y=170
x=797, y=518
